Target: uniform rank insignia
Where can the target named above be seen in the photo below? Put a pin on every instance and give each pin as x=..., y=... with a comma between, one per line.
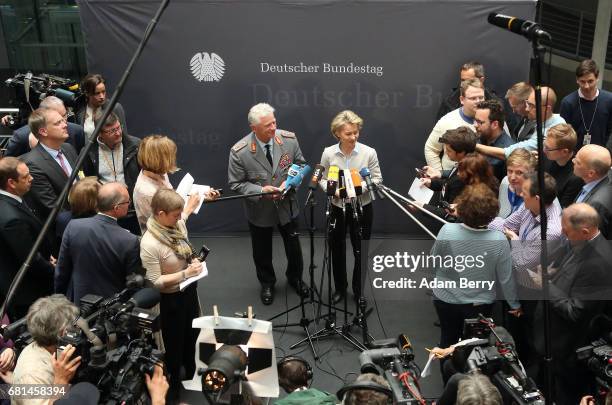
x=284, y=162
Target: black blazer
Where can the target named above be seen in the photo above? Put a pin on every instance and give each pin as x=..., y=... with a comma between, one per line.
x=600, y=198
x=19, y=227
x=19, y=143
x=97, y=255
x=579, y=290
x=452, y=186
x=49, y=178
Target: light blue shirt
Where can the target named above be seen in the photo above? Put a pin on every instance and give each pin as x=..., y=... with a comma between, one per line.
x=586, y=189
x=262, y=145
x=532, y=143
x=347, y=159
x=54, y=154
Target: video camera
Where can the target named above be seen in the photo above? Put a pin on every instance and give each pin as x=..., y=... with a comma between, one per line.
x=396, y=360
x=28, y=90
x=490, y=350
x=114, y=338
x=598, y=358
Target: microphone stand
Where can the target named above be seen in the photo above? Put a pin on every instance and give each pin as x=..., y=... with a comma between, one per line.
x=385, y=191
x=331, y=328
x=79, y=163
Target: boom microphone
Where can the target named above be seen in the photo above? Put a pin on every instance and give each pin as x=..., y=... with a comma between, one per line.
x=332, y=180
x=526, y=28
x=294, y=182
x=367, y=176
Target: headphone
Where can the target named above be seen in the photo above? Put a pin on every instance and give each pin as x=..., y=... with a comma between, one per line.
x=365, y=385
x=287, y=359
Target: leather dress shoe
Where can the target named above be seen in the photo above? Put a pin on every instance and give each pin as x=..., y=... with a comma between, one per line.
x=300, y=288
x=338, y=297
x=267, y=295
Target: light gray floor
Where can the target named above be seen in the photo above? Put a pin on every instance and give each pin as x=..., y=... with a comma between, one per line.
x=232, y=285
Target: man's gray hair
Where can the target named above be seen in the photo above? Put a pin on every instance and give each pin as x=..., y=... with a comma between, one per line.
x=109, y=195
x=51, y=103
x=48, y=317
x=477, y=389
x=258, y=111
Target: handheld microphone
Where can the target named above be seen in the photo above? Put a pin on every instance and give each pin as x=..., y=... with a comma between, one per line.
x=356, y=181
x=526, y=28
x=367, y=176
x=348, y=183
x=342, y=185
x=314, y=180
x=294, y=182
x=332, y=180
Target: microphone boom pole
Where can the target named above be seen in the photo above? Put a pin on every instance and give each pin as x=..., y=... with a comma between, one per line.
x=383, y=190
x=408, y=201
x=240, y=196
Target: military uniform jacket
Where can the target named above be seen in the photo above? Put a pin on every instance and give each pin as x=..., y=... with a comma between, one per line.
x=249, y=170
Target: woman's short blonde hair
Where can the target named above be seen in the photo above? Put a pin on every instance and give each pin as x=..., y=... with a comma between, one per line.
x=343, y=118
x=157, y=154
x=83, y=197
x=522, y=157
x=166, y=200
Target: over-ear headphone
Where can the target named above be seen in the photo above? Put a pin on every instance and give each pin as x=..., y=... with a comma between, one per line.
x=287, y=359
x=365, y=385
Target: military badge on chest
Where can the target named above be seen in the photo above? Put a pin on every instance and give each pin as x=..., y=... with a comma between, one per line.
x=285, y=161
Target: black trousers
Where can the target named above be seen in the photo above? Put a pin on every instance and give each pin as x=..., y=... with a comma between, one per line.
x=261, y=241
x=338, y=244
x=177, y=310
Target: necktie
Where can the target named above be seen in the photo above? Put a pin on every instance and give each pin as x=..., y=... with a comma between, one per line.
x=62, y=162
x=268, y=154
x=581, y=196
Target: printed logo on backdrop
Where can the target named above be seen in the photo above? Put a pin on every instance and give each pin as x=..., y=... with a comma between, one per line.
x=207, y=67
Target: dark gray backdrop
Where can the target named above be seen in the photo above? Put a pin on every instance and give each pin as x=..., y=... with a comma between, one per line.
x=419, y=45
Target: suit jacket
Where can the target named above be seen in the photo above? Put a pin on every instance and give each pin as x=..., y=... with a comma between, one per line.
x=249, y=170
x=579, y=291
x=522, y=132
x=97, y=255
x=19, y=144
x=19, y=228
x=600, y=198
x=49, y=178
x=80, y=115
x=130, y=163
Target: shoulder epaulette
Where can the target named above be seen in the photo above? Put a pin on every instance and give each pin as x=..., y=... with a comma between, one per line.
x=287, y=134
x=239, y=145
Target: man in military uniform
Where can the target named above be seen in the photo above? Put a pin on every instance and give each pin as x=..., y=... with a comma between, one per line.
x=258, y=163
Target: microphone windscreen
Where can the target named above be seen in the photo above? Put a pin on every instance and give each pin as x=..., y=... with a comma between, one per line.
x=333, y=173
x=146, y=298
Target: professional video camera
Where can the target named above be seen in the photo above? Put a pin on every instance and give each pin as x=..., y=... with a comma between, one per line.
x=396, y=360
x=598, y=358
x=29, y=90
x=490, y=349
x=114, y=338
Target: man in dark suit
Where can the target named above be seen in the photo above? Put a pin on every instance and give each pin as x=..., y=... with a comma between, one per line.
x=96, y=253
x=50, y=162
x=113, y=159
x=19, y=227
x=23, y=139
x=581, y=284
x=521, y=128
x=592, y=165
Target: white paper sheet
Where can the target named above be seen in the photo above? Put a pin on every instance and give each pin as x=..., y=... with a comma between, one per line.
x=187, y=187
x=420, y=193
x=191, y=280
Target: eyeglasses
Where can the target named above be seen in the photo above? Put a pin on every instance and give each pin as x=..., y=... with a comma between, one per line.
x=547, y=149
x=112, y=131
x=476, y=98
x=123, y=202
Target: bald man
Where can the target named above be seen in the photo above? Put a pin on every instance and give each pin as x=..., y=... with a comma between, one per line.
x=592, y=165
x=579, y=290
x=23, y=140
x=549, y=99
x=96, y=253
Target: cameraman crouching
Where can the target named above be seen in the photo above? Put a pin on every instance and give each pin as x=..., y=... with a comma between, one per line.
x=47, y=319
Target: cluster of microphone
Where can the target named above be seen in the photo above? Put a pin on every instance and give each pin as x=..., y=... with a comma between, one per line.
x=347, y=182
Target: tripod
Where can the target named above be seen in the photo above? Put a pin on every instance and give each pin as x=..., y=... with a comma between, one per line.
x=304, y=320
x=331, y=329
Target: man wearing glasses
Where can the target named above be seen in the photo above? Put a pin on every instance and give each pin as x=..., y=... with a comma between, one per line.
x=549, y=99
x=113, y=159
x=472, y=92
x=96, y=253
